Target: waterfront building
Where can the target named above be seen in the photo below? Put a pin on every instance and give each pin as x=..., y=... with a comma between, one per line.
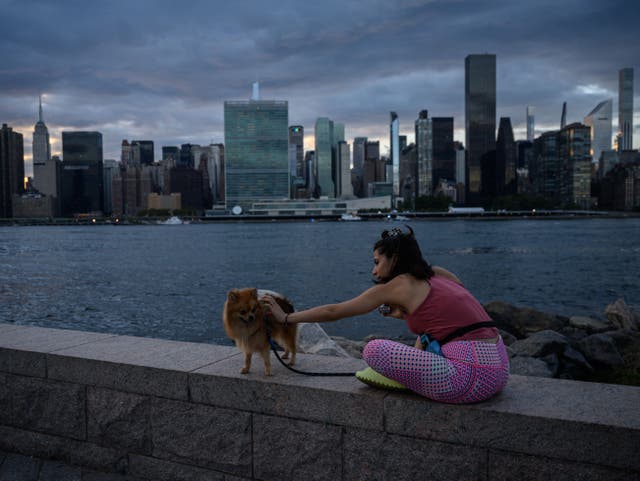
x=188, y=183
x=574, y=152
x=358, y=156
x=620, y=187
x=208, y=160
x=82, y=175
x=110, y=170
x=599, y=120
x=126, y=153
x=444, y=157
x=544, y=170
x=324, y=157
x=343, y=167
x=531, y=123
x=461, y=173
x=409, y=173
x=480, y=118
x=394, y=142
x=506, y=158
x=256, y=151
x=296, y=138
x=608, y=159
x=11, y=168
x=424, y=153
x=625, y=109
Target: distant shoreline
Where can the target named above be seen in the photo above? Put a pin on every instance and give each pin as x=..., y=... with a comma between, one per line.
x=400, y=217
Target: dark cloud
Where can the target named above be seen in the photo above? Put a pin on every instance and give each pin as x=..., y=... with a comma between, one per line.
x=162, y=69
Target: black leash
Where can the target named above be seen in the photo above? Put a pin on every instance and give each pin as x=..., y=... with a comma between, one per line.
x=275, y=351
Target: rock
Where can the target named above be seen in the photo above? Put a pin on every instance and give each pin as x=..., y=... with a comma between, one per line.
x=573, y=364
x=353, y=348
x=540, y=344
x=601, y=351
x=553, y=363
x=592, y=326
x=622, y=316
x=507, y=337
x=628, y=344
x=312, y=339
x=529, y=366
x=522, y=321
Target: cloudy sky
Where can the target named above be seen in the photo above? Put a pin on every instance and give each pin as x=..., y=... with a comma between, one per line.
x=161, y=70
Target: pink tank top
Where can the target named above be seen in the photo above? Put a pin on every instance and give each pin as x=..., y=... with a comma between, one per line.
x=447, y=307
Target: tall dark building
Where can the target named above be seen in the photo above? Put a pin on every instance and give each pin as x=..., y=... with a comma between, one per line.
x=170, y=155
x=444, y=155
x=147, y=153
x=11, y=168
x=506, y=158
x=296, y=137
x=81, y=183
x=480, y=118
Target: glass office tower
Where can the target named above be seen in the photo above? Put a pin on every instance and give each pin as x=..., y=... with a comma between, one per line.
x=81, y=184
x=625, y=109
x=599, y=121
x=480, y=117
x=256, y=134
x=324, y=157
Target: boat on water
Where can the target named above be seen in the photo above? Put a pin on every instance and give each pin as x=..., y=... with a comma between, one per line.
x=173, y=221
x=350, y=217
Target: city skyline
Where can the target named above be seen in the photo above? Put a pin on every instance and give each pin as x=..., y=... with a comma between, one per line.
x=99, y=69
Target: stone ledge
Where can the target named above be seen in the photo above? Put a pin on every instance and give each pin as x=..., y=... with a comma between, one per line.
x=184, y=409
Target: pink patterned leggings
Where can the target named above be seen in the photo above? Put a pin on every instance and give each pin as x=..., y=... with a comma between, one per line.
x=469, y=371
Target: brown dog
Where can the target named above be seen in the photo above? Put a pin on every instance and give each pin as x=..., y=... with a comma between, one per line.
x=246, y=321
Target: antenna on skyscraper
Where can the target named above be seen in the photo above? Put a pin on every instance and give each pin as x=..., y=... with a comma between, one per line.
x=40, y=109
x=563, y=119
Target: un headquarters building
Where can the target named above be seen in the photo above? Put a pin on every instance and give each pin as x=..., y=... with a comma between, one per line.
x=256, y=138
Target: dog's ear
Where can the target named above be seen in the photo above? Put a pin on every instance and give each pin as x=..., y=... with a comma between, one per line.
x=232, y=296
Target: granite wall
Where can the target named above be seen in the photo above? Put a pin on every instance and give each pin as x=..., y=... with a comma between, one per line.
x=166, y=410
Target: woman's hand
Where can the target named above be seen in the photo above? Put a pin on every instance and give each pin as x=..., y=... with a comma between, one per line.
x=273, y=307
x=418, y=344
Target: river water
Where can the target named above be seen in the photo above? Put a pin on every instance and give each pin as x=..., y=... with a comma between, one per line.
x=171, y=281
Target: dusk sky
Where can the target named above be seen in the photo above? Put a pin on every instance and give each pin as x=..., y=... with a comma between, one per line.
x=161, y=70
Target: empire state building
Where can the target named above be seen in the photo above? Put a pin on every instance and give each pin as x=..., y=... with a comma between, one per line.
x=44, y=170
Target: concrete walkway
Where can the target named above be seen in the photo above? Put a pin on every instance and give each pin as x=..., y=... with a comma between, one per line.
x=15, y=467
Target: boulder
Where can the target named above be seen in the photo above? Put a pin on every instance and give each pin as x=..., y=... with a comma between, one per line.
x=529, y=366
x=592, y=326
x=573, y=365
x=540, y=344
x=522, y=321
x=353, y=348
x=622, y=316
x=601, y=351
x=507, y=337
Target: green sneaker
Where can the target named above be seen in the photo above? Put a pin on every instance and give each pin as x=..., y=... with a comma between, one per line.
x=375, y=379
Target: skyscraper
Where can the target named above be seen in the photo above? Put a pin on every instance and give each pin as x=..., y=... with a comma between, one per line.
x=324, y=164
x=625, y=108
x=41, y=144
x=296, y=138
x=574, y=147
x=45, y=170
x=424, y=154
x=444, y=157
x=146, y=151
x=11, y=168
x=394, y=142
x=506, y=156
x=480, y=117
x=531, y=123
x=563, y=117
x=256, y=136
x=81, y=184
x=599, y=121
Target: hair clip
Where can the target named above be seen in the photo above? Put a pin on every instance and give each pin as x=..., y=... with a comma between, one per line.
x=395, y=232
